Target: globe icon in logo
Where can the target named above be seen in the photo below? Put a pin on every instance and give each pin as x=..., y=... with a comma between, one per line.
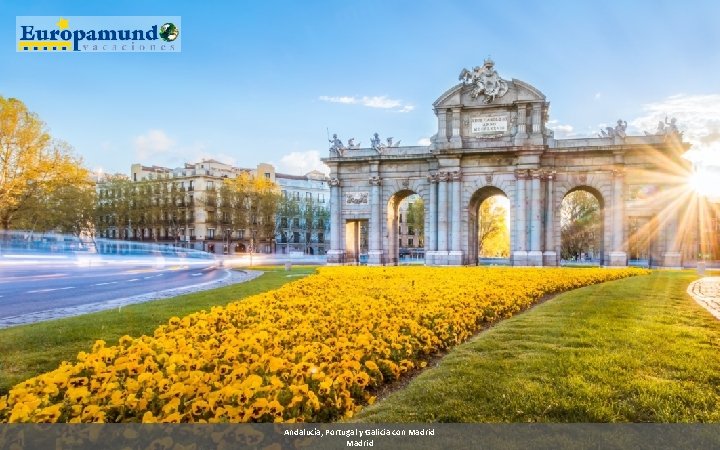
x=169, y=32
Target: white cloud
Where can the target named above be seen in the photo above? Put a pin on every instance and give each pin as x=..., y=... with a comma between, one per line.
x=424, y=141
x=300, y=163
x=562, y=131
x=598, y=95
x=152, y=143
x=698, y=117
x=380, y=102
x=156, y=147
x=347, y=100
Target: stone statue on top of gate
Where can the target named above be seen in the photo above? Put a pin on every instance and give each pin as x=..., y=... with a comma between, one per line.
x=484, y=80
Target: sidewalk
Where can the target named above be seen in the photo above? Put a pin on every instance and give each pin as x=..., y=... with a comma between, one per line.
x=706, y=291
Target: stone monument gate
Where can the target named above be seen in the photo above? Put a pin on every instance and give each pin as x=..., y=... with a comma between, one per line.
x=492, y=139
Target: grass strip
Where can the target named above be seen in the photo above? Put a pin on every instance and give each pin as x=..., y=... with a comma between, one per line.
x=632, y=350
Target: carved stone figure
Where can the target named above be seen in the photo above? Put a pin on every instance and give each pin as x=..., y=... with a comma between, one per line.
x=376, y=144
x=671, y=127
x=660, y=131
x=620, y=128
x=337, y=145
x=484, y=80
x=352, y=144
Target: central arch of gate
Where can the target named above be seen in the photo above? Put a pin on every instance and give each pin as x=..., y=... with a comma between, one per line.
x=492, y=139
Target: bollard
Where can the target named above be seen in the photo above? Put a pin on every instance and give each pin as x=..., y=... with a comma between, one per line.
x=288, y=266
x=701, y=267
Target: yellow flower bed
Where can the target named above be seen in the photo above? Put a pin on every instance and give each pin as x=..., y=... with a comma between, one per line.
x=313, y=350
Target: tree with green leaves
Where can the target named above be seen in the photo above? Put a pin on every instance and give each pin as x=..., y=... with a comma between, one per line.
x=415, y=218
x=580, y=225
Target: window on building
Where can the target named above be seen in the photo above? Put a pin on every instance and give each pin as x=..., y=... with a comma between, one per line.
x=308, y=239
x=296, y=237
x=296, y=221
x=283, y=222
x=241, y=234
x=210, y=185
x=190, y=185
x=410, y=242
x=400, y=217
x=411, y=230
x=321, y=237
x=267, y=175
x=296, y=195
x=211, y=233
x=308, y=196
x=400, y=242
x=321, y=197
x=191, y=233
x=321, y=223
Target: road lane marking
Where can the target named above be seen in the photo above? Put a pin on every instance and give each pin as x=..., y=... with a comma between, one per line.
x=104, y=284
x=134, y=279
x=50, y=290
x=196, y=274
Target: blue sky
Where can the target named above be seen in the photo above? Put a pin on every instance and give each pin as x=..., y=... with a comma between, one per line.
x=261, y=81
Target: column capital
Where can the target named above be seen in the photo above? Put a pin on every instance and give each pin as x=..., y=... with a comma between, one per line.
x=334, y=182
x=619, y=172
x=549, y=175
x=443, y=176
x=455, y=175
x=522, y=174
x=432, y=177
x=375, y=181
x=536, y=173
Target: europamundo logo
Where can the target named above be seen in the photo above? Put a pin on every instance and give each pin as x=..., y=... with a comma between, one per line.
x=98, y=34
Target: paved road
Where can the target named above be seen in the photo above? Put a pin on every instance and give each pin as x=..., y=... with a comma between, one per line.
x=27, y=290
x=706, y=291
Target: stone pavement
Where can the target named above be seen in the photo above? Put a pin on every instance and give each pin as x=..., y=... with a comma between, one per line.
x=706, y=291
x=232, y=277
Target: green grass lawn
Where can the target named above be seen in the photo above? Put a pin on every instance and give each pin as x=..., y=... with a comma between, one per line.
x=633, y=350
x=29, y=350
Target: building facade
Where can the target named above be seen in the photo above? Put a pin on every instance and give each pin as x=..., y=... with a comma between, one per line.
x=492, y=139
x=184, y=207
x=303, y=217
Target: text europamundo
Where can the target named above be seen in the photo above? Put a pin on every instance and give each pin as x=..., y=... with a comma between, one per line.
x=98, y=34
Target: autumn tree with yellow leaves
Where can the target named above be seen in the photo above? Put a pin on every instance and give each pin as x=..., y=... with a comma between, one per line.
x=43, y=185
x=249, y=203
x=493, y=232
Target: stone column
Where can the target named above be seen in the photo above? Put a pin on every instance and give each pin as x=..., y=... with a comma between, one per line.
x=336, y=254
x=375, y=253
x=442, y=138
x=522, y=121
x=550, y=255
x=535, y=254
x=456, y=140
x=431, y=234
x=672, y=256
x=618, y=257
x=520, y=252
x=536, y=118
x=455, y=257
x=442, y=215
